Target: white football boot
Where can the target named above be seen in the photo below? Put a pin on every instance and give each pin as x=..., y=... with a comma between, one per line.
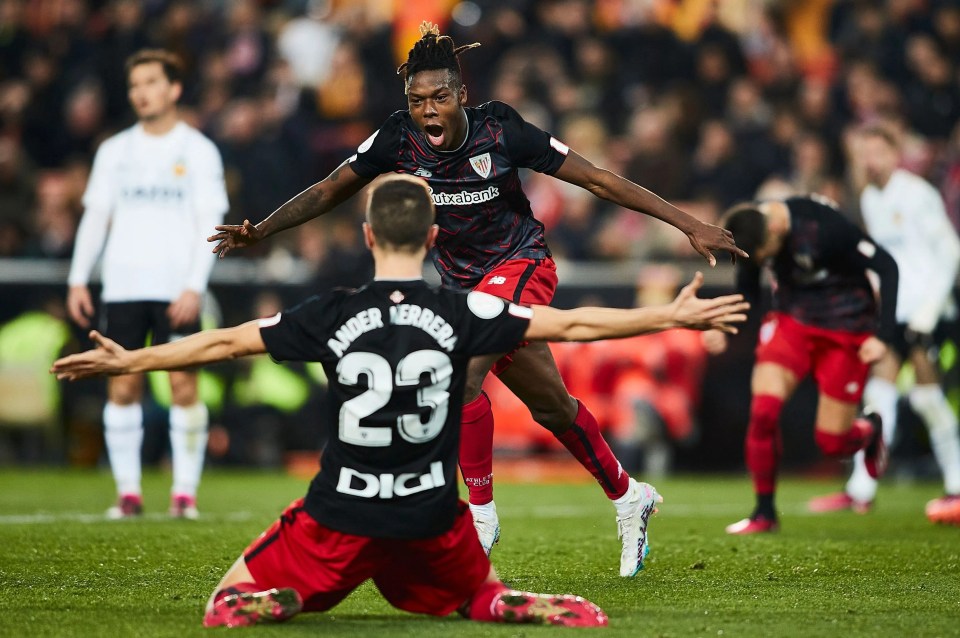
x=638, y=504
x=487, y=524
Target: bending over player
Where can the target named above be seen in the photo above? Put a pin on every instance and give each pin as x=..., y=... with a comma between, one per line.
x=825, y=322
x=384, y=505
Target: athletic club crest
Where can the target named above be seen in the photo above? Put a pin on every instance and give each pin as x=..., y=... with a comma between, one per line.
x=481, y=164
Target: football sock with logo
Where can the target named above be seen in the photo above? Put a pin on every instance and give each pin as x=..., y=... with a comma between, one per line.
x=588, y=446
x=476, y=449
x=123, y=435
x=188, y=444
x=762, y=449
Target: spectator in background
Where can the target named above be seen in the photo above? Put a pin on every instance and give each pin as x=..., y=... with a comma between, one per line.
x=932, y=97
x=716, y=168
x=655, y=160
x=42, y=126
x=125, y=34
x=17, y=191
x=55, y=217
x=308, y=42
x=811, y=164
x=158, y=171
x=246, y=46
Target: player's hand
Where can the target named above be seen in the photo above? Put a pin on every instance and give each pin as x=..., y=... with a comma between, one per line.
x=719, y=313
x=80, y=305
x=231, y=236
x=706, y=238
x=714, y=342
x=872, y=350
x=185, y=309
x=106, y=358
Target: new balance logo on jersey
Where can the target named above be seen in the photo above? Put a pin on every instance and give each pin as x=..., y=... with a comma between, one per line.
x=465, y=198
x=481, y=164
x=387, y=485
x=497, y=280
x=422, y=172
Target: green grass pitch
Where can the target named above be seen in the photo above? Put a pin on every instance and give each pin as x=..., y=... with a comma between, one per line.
x=64, y=571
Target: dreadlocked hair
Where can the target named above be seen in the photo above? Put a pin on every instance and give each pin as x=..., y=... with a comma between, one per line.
x=433, y=51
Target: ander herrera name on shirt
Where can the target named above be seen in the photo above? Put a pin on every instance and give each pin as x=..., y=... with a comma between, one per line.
x=405, y=314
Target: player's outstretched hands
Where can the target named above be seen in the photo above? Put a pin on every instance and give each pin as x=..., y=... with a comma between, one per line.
x=707, y=238
x=232, y=236
x=719, y=313
x=106, y=359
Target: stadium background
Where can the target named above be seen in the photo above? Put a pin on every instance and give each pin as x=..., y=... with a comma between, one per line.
x=702, y=102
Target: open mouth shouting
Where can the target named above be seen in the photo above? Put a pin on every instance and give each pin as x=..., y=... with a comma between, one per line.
x=435, y=134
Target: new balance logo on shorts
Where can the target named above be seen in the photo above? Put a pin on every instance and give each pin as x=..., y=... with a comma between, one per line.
x=497, y=280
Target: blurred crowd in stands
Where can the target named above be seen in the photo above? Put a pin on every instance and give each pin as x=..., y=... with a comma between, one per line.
x=701, y=101
x=705, y=102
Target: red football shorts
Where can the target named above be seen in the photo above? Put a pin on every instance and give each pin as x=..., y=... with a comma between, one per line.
x=522, y=281
x=424, y=576
x=830, y=355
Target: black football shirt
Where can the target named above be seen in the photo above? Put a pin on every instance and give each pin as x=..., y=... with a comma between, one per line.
x=820, y=276
x=483, y=214
x=396, y=354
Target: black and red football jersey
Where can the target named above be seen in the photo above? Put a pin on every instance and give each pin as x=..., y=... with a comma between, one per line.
x=483, y=214
x=396, y=354
x=820, y=274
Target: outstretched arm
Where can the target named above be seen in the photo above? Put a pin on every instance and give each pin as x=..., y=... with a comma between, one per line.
x=317, y=200
x=609, y=186
x=109, y=358
x=592, y=324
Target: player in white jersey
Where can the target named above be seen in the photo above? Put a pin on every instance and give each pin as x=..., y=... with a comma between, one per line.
x=158, y=174
x=906, y=215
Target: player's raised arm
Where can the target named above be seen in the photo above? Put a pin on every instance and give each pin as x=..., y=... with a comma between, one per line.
x=609, y=186
x=686, y=311
x=109, y=358
x=317, y=200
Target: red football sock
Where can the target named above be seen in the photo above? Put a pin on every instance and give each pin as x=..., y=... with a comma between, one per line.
x=846, y=444
x=476, y=449
x=763, y=445
x=588, y=446
x=481, y=604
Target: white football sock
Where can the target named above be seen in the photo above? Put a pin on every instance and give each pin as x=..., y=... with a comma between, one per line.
x=941, y=421
x=123, y=435
x=881, y=396
x=188, y=443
